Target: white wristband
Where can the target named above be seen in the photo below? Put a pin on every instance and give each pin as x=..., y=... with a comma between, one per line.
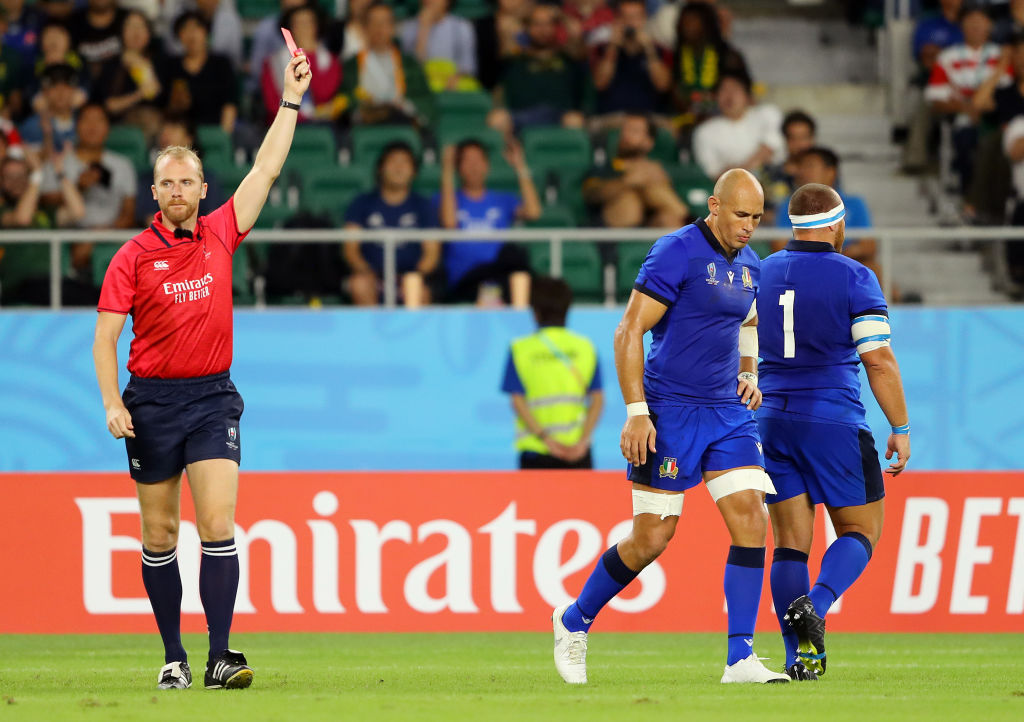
x=638, y=408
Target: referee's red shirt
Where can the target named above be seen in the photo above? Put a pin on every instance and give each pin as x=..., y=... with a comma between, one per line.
x=178, y=291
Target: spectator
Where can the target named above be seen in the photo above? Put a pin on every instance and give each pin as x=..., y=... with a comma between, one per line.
x=958, y=72
x=25, y=268
x=543, y=85
x=353, y=35
x=96, y=34
x=936, y=32
x=445, y=44
x=393, y=204
x=105, y=179
x=53, y=124
x=474, y=268
x=700, y=57
x=588, y=23
x=200, y=85
x=11, y=75
x=58, y=10
x=55, y=49
x=223, y=23
x=554, y=380
x=821, y=165
x=128, y=85
x=382, y=84
x=743, y=136
x=23, y=27
x=322, y=102
x=801, y=133
x=631, y=73
x=267, y=40
x=499, y=37
x=1013, y=146
x=633, y=190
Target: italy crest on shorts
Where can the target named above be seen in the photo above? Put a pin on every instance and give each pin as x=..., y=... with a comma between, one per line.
x=668, y=468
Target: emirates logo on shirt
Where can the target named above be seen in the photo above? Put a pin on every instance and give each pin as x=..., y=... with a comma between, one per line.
x=191, y=290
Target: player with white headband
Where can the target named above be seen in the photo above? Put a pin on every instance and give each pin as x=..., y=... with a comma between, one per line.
x=819, y=310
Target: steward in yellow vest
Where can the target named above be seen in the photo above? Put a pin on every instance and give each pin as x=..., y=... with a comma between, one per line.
x=554, y=380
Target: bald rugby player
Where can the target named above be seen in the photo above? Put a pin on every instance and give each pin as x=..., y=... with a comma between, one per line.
x=180, y=411
x=689, y=418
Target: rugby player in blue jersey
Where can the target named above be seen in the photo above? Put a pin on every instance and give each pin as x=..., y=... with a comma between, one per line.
x=819, y=311
x=689, y=418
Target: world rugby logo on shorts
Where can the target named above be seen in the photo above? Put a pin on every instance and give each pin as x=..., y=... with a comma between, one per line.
x=668, y=468
x=232, y=437
x=711, y=274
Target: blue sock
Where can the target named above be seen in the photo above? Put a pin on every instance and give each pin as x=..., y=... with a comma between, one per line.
x=610, y=576
x=842, y=564
x=790, y=580
x=162, y=580
x=218, y=586
x=744, y=575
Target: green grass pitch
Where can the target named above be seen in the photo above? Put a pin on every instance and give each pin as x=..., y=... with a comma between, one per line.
x=484, y=677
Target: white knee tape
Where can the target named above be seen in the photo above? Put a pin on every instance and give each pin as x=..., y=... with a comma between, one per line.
x=648, y=502
x=740, y=480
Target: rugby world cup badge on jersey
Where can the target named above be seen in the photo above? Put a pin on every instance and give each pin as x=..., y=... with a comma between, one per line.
x=711, y=274
x=748, y=281
x=668, y=468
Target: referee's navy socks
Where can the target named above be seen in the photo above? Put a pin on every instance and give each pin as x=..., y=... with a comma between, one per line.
x=609, y=577
x=842, y=564
x=744, y=575
x=162, y=580
x=218, y=586
x=790, y=580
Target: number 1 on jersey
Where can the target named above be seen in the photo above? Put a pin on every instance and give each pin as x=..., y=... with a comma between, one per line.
x=788, y=339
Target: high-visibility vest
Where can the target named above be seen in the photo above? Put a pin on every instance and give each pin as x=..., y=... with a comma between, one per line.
x=555, y=367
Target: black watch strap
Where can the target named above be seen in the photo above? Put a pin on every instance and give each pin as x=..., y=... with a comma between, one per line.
x=286, y=104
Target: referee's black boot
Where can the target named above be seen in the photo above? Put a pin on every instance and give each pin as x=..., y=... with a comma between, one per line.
x=228, y=670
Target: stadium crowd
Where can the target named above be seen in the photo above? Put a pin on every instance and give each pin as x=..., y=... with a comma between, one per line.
x=466, y=114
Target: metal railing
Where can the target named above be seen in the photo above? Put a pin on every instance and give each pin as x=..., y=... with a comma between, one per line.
x=556, y=237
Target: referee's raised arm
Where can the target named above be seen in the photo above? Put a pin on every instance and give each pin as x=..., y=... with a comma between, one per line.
x=252, y=192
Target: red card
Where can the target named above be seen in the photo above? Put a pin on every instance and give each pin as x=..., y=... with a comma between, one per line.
x=290, y=42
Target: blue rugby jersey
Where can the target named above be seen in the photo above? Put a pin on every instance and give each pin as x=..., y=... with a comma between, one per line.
x=694, y=356
x=809, y=296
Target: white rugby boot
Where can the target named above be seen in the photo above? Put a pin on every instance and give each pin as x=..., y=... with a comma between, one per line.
x=751, y=670
x=570, y=650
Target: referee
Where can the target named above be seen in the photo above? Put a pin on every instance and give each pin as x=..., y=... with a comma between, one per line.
x=180, y=410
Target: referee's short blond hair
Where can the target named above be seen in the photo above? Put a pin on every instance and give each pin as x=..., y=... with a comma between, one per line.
x=180, y=152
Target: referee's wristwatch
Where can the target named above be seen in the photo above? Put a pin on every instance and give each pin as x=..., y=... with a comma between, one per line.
x=292, y=106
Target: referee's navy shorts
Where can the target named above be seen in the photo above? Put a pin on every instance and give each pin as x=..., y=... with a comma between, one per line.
x=180, y=421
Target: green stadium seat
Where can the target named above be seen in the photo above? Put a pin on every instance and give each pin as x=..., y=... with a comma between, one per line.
x=273, y=216
x=631, y=255
x=581, y=267
x=102, y=253
x=258, y=9
x=691, y=184
x=428, y=180
x=554, y=216
x=130, y=142
x=241, y=281
x=337, y=179
x=570, y=191
x=664, y=147
x=469, y=104
x=369, y=140
x=557, y=149
x=215, y=144
x=312, y=147
x=331, y=202
x=472, y=9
